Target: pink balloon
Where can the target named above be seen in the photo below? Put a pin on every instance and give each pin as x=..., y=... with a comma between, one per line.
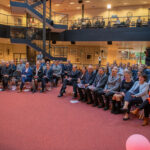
x=137, y=142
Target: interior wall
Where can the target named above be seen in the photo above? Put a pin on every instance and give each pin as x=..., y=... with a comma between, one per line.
x=7, y=51
x=78, y=54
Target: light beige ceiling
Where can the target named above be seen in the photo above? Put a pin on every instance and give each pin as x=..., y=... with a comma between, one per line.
x=65, y=5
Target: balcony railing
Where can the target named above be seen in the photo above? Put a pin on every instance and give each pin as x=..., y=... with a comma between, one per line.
x=114, y=21
x=58, y=18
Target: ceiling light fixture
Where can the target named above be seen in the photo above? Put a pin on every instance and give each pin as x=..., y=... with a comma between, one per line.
x=57, y=4
x=108, y=6
x=87, y=1
x=71, y=3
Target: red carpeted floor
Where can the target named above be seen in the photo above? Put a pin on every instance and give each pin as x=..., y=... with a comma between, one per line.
x=44, y=122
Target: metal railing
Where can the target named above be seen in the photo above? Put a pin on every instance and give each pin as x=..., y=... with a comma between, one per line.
x=12, y=20
x=58, y=18
x=114, y=21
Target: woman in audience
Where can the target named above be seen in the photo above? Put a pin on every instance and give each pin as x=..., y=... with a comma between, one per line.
x=136, y=95
x=126, y=84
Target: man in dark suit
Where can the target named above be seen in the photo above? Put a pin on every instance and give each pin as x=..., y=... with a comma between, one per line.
x=47, y=76
x=88, y=80
x=98, y=85
x=63, y=70
x=68, y=67
x=111, y=87
x=6, y=75
x=12, y=67
x=37, y=76
x=26, y=76
x=71, y=79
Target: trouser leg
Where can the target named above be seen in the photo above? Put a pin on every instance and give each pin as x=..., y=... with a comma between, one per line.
x=64, y=86
x=81, y=93
x=133, y=101
x=89, y=95
x=74, y=84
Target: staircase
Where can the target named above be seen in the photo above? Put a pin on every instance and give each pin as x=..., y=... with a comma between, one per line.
x=37, y=48
x=35, y=10
x=29, y=35
x=33, y=38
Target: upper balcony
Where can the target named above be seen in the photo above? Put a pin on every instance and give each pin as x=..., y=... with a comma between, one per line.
x=129, y=28
x=57, y=22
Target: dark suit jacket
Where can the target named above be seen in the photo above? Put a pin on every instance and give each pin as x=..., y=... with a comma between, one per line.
x=28, y=74
x=48, y=73
x=74, y=75
x=40, y=72
x=102, y=82
x=89, y=78
x=68, y=67
x=6, y=71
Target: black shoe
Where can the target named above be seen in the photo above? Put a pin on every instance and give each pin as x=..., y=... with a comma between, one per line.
x=117, y=112
x=84, y=100
x=60, y=95
x=101, y=106
x=113, y=111
x=94, y=105
x=90, y=102
x=81, y=99
x=74, y=96
x=106, y=108
x=33, y=91
x=123, y=110
x=125, y=119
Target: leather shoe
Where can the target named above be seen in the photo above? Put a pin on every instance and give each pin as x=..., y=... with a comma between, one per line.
x=60, y=95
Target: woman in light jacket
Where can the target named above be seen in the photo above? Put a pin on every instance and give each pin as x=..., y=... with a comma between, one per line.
x=136, y=95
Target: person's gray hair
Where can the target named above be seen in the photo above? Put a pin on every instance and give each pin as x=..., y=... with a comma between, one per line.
x=90, y=66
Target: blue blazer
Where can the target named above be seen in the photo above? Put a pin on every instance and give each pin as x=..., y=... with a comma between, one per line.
x=28, y=74
x=143, y=90
x=49, y=73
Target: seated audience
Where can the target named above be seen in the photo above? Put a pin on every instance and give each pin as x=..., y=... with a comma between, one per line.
x=71, y=79
x=102, y=23
x=89, y=24
x=136, y=95
x=97, y=24
x=118, y=21
x=20, y=66
x=139, y=22
x=98, y=85
x=110, y=89
x=26, y=75
x=68, y=67
x=47, y=76
x=6, y=75
x=37, y=77
x=88, y=80
x=63, y=70
x=57, y=71
x=126, y=84
x=128, y=21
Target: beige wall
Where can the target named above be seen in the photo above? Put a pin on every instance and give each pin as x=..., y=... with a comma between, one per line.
x=78, y=54
x=13, y=49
